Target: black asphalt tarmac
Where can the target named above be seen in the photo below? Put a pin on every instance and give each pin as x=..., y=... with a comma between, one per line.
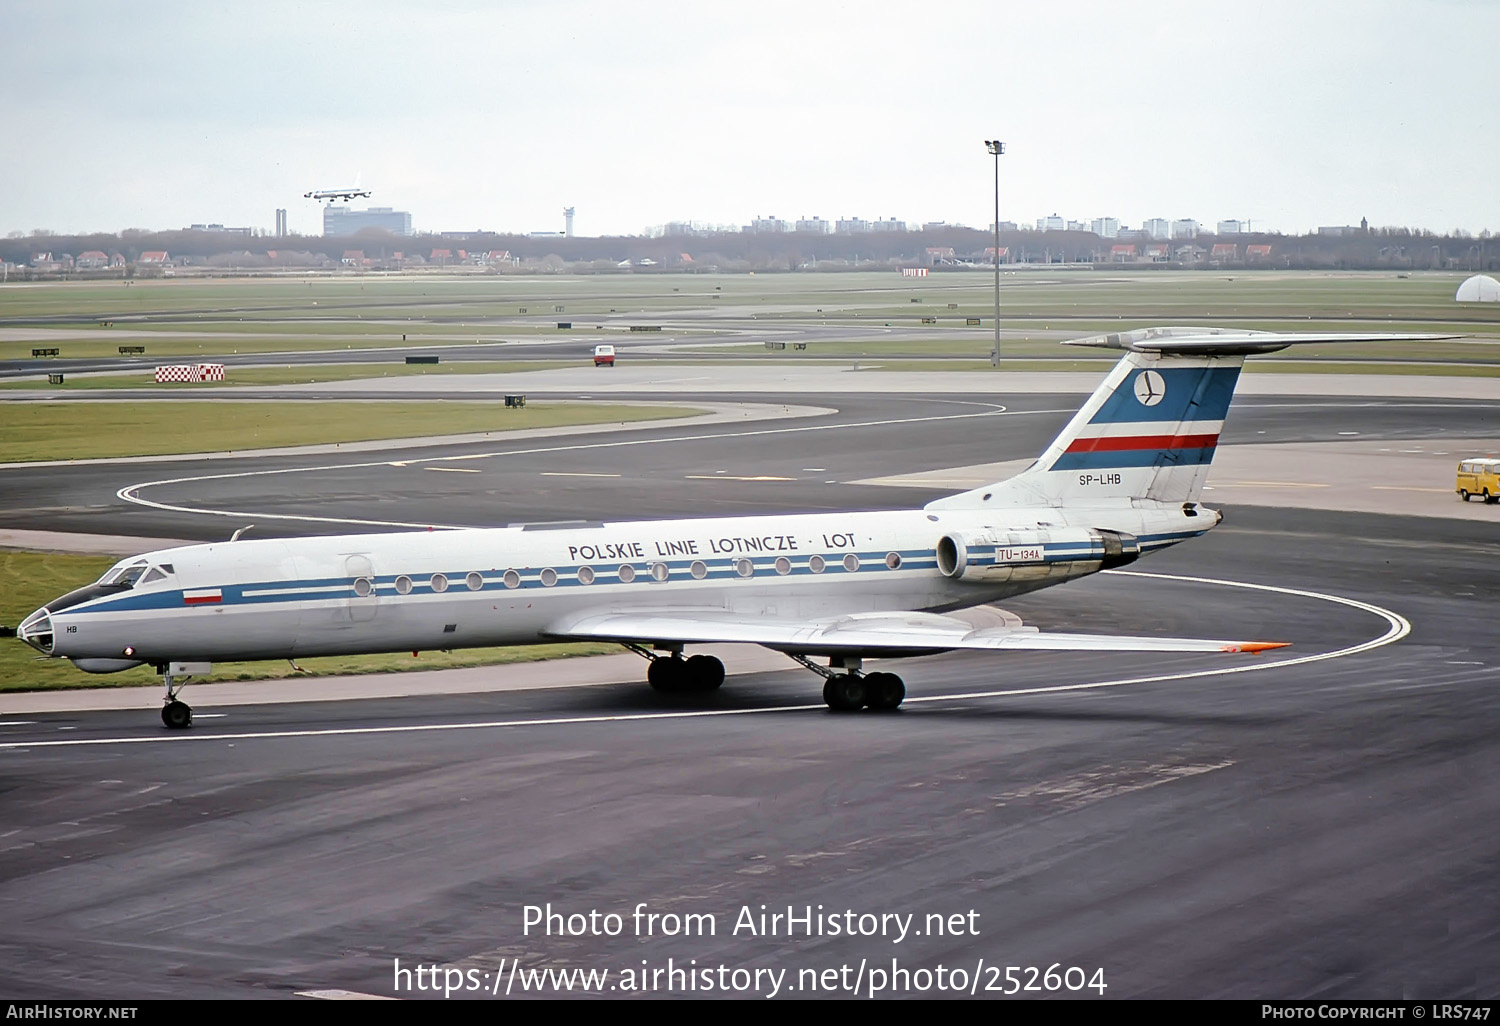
x=1189, y=826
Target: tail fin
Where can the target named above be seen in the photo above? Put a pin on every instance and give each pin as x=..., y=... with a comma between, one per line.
x=1148, y=433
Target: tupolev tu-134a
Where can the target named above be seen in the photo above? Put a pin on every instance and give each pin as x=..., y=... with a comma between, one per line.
x=830, y=590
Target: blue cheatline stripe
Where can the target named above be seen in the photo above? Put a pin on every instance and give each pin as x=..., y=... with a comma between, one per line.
x=1192, y=393
x=567, y=576
x=1122, y=458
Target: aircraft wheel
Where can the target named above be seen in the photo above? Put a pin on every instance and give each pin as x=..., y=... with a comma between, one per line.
x=844, y=692
x=706, y=672
x=177, y=715
x=884, y=690
x=667, y=674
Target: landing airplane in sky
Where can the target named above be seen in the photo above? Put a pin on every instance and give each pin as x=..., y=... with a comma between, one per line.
x=1121, y=480
x=336, y=194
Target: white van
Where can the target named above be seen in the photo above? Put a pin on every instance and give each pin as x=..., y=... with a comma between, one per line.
x=604, y=356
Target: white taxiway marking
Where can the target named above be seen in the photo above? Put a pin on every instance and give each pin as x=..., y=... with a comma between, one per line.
x=1398, y=627
x=16, y=723
x=454, y=470
x=344, y=995
x=560, y=473
x=129, y=492
x=728, y=477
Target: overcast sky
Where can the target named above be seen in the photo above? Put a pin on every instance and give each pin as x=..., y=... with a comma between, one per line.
x=139, y=113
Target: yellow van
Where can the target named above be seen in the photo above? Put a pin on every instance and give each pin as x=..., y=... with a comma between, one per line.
x=1479, y=477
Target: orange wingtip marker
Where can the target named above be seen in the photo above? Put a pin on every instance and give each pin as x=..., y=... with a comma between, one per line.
x=1254, y=646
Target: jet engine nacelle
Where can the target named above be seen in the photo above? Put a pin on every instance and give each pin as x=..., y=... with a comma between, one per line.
x=990, y=556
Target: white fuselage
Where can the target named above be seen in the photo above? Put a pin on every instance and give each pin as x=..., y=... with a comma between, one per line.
x=352, y=594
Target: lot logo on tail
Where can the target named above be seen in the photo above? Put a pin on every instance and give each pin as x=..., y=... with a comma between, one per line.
x=1150, y=389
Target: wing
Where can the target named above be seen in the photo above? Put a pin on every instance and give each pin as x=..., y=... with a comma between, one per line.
x=1231, y=341
x=869, y=634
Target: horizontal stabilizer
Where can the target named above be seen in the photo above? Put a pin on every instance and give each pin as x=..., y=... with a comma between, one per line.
x=868, y=634
x=1231, y=341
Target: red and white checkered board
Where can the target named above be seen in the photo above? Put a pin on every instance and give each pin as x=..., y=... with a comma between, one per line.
x=189, y=372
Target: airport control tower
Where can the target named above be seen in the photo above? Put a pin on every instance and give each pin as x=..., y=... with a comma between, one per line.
x=568, y=221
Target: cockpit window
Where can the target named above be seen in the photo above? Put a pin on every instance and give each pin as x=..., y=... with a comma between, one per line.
x=153, y=574
x=124, y=576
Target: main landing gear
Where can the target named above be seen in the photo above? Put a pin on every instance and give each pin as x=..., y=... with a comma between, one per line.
x=672, y=674
x=846, y=689
x=176, y=714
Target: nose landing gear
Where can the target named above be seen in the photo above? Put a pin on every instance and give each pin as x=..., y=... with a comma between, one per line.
x=175, y=714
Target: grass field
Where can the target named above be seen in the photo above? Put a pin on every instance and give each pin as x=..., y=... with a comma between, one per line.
x=290, y=374
x=207, y=317
x=88, y=430
x=30, y=579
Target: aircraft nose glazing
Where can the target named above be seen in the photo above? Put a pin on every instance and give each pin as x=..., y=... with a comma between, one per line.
x=36, y=631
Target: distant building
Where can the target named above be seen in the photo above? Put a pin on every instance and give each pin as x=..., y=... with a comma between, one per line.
x=1481, y=288
x=353, y=258
x=153, y=258
x=1051, y=224
x=1337, y=229
x=888, y=225
x=771, y=225
x=941, y=255
x=851, y=225
x=1229, y=228
x=1158, y=252
x=1105, y=227
x=1004, y=226
x=1257, y=251
x=815, y=224
x=1225, y=251
x=281, y=222
x=1004, y=254
x=1185, y=228
x=1158, y=228
x=1122, y=253
x=91, y=260
x=219, y=229
x=341, y=220
x=1079, y=226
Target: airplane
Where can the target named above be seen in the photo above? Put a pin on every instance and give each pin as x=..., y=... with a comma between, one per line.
x=336, y=194
x=1120, y=481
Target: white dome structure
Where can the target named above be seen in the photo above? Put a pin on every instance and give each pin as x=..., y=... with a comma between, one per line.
x=1479, y=289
